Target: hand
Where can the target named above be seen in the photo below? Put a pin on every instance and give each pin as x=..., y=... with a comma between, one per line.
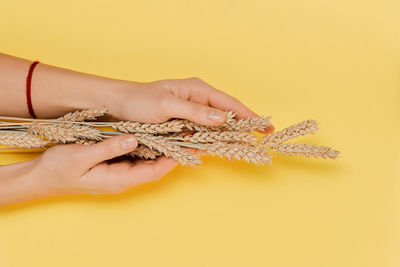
x=72, y=169
x=159, y=101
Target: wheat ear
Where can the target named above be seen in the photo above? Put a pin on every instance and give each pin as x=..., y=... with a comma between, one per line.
x=160, y=144
x=306, y=150
x=296, y=130
x=225, y=136
x=144, y=152
x=238, y=151
x=229, y=119
x=22, y=140
x=249, y=124
x=172, y=126
x=81, y=115
x=65, y=132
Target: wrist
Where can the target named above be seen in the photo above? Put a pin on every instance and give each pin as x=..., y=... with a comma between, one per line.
x=113, y=94
x=58, y=91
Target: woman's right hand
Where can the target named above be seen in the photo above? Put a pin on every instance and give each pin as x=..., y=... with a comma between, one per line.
x=75, y=169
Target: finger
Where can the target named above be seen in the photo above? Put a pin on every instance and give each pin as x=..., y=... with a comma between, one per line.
x=200, y=92
x=174, y=107
x=89, y=156
x=118, y=177
x=268, y=130
x=150, y=170
x=206, y=94
x=195, y=151
x=224, y=101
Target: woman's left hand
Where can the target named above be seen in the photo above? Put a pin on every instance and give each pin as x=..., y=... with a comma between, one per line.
x=159, y=101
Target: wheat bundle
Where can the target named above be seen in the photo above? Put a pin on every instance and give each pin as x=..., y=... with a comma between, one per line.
x=234, y=139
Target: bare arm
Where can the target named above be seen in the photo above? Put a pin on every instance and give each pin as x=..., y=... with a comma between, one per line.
x=55, y=91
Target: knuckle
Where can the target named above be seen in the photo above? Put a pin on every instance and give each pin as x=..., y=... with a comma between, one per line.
x=236, y=101
x=108, y=149
x=204, y=111
x=195, y=80
x=161, y=83
x=194, y=111
x=201, y=109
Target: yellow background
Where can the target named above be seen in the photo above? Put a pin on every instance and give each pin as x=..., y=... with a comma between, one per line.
x=334, y=61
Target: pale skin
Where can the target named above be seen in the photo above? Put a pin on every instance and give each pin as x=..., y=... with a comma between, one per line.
x=79, y=169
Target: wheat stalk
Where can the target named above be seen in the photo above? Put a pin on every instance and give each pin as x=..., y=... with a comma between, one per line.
x=170, y=150
x=82, y=115
x=231, y=124
x=249, y=124
x=225, y=136
x=233, y=139
x=63, y=133
x=305, y=150
x=144, y=152
x=152, y=128
x=299, y=129
x=238, y=151
x=22, y=140
x=229, y=119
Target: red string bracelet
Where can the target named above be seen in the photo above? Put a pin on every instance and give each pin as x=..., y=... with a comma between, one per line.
x=28, y=89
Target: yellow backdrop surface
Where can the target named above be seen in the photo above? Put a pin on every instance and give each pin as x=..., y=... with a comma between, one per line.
x=334, y=61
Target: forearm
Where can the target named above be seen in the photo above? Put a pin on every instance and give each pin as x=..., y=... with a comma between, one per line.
x=55, y=91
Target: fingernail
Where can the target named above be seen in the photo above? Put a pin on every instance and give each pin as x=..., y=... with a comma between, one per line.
x=216, y=115
x=269, y=129
x=128, y=142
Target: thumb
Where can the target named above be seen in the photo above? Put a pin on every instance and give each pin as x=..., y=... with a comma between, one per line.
x=108, y=149
x=198, y=113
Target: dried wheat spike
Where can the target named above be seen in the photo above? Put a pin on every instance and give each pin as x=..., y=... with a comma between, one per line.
x=65, y=132
x=144, y=152
x=296, y=130
x=22, y=140
x=152, y=128
x=306, y=150
x=82, y=115
x=160, y=144
x=225, y=136
x=238, y=151
x=229, y=119
x=179, y=135
x=249, y=124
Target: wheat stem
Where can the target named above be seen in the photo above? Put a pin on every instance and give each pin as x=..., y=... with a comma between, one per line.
x=233, y=139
